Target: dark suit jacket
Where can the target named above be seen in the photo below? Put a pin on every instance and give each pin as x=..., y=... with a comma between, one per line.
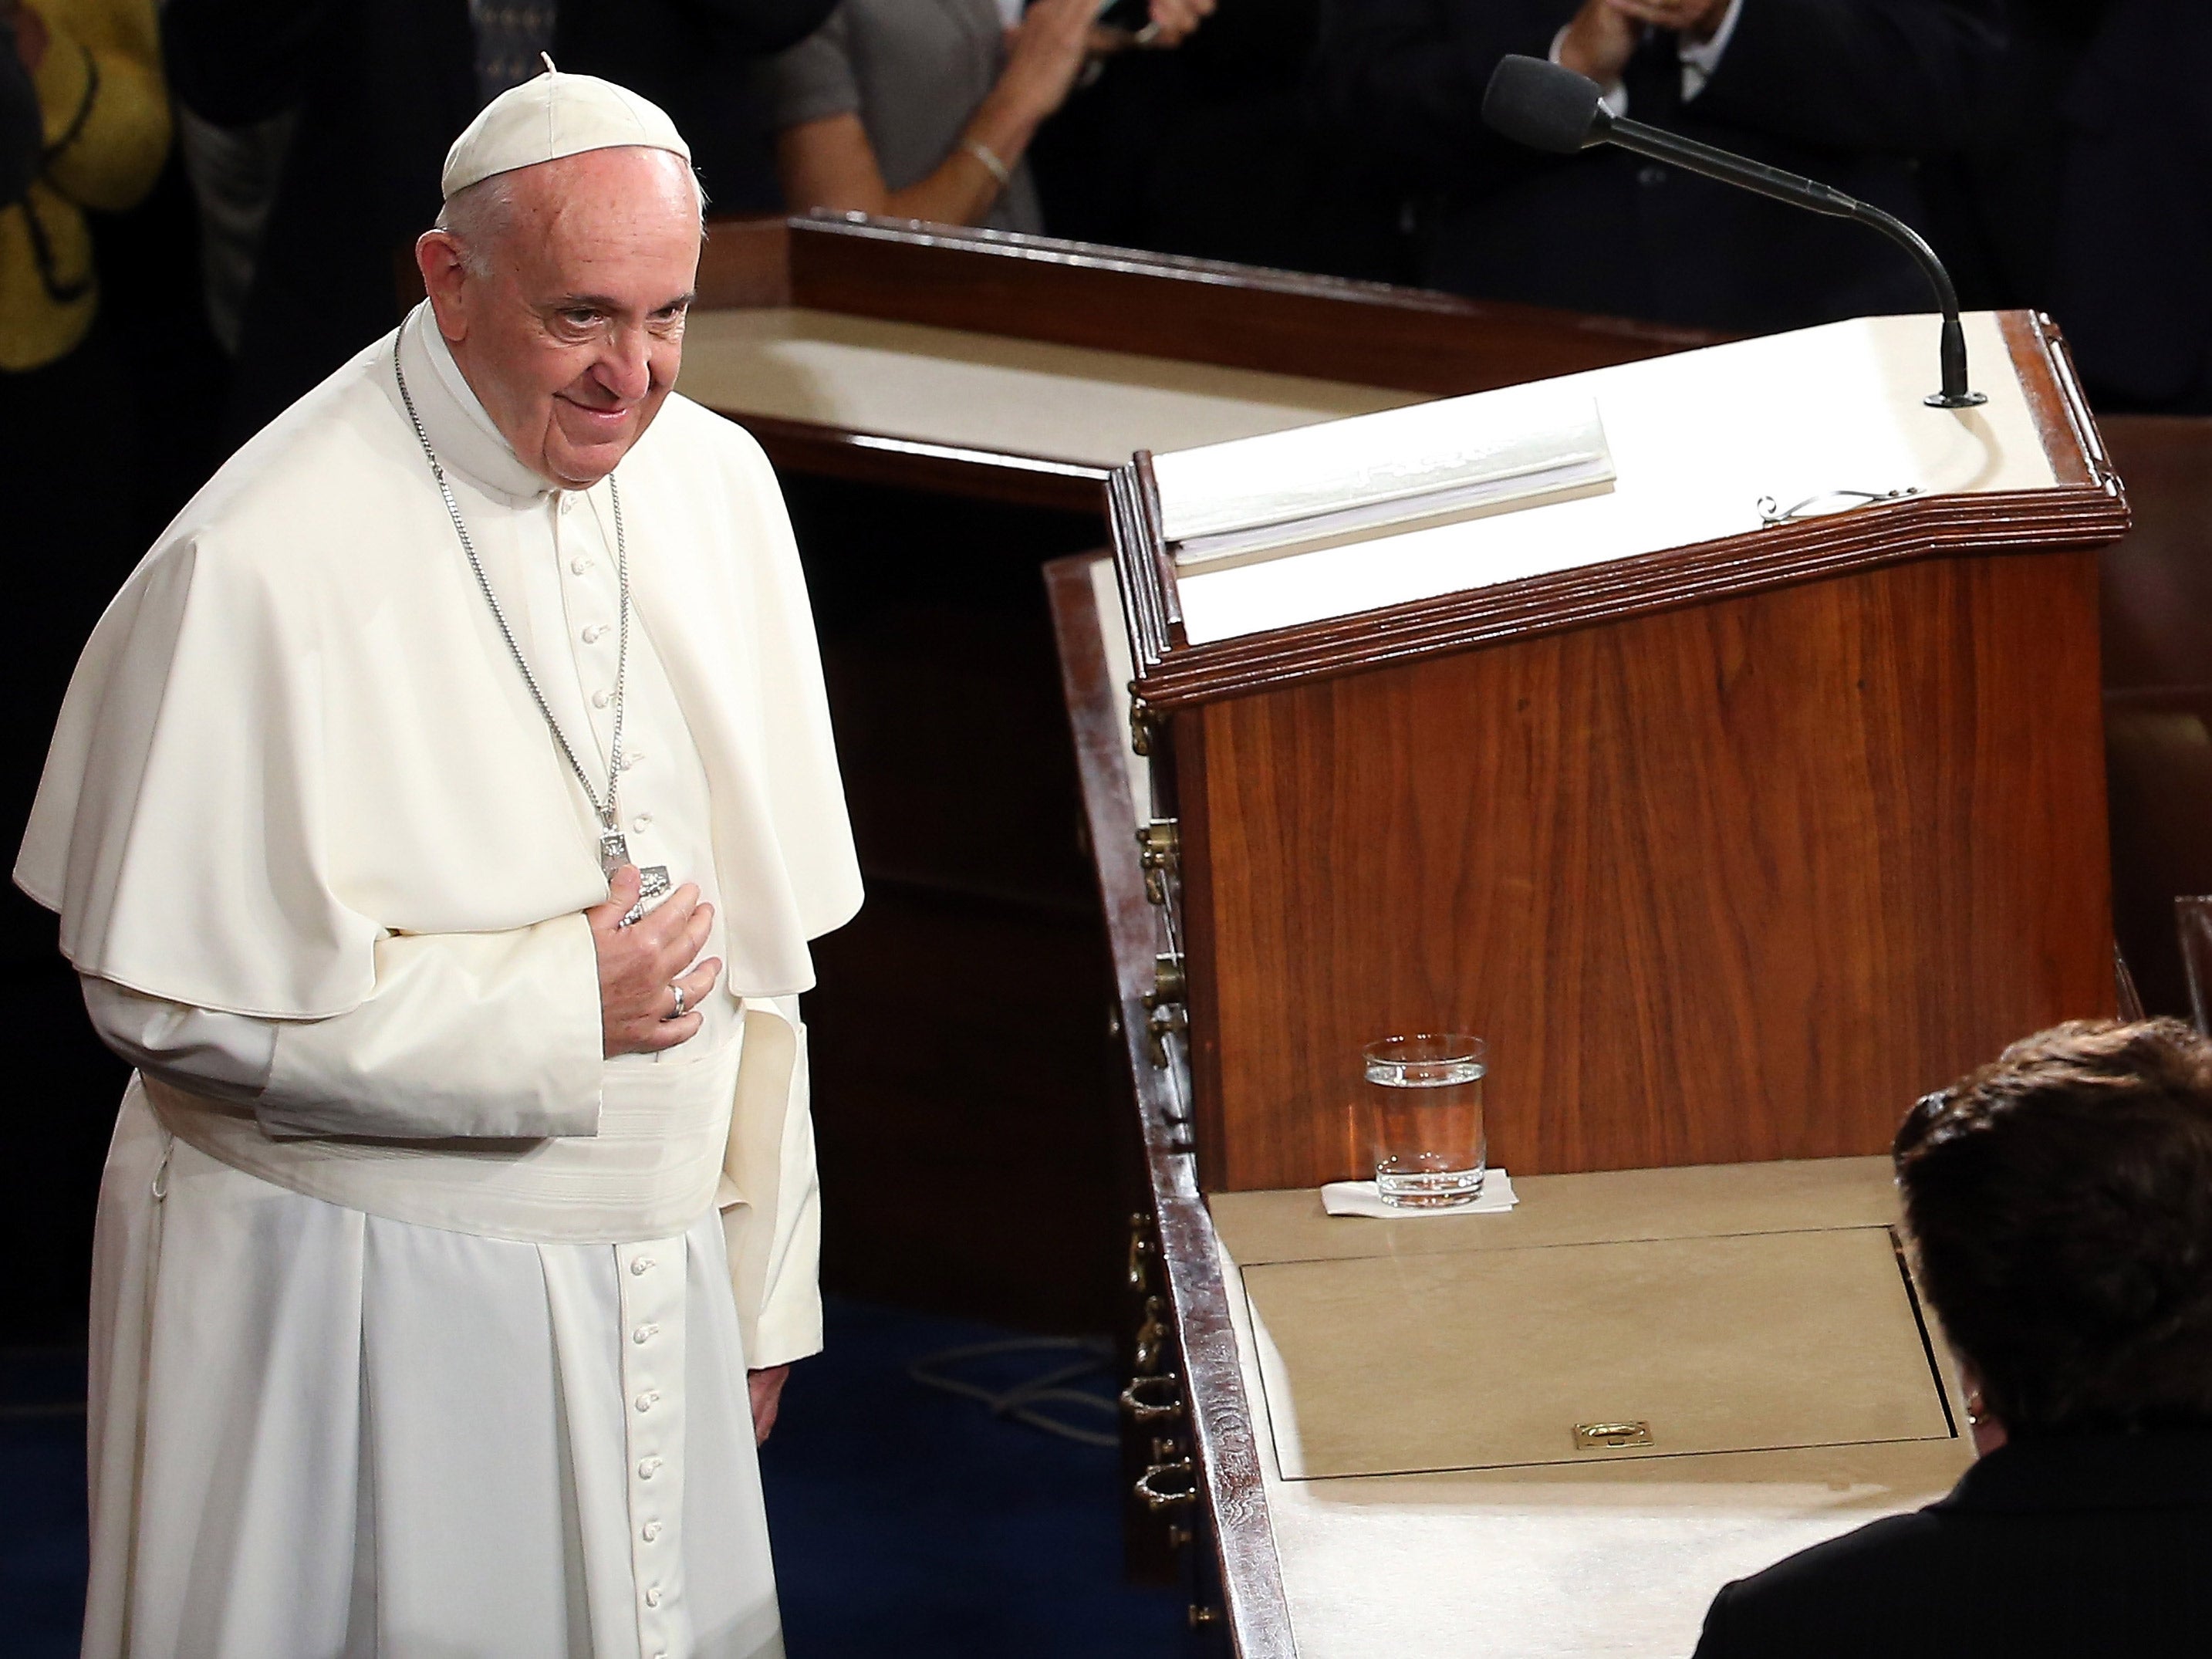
x=2068, y=1547
x=2132, y=268
x=382, y=87
x=1849, y=92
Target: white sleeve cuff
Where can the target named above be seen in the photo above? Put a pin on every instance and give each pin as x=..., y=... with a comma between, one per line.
x=225, y=1057
x=491, y=1035
x=1700, y=58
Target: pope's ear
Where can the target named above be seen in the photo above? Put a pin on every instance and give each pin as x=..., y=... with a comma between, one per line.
x=438, y=256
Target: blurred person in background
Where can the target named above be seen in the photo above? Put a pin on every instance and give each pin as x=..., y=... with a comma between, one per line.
x=1215, y=151
x=372, y=91
x=925, y=109
x=2130, y=277
x=21, y=139
x=2059, y=1207
x=99, y=136
x=2086, y=192
x=1850, y=91
x=95, y=67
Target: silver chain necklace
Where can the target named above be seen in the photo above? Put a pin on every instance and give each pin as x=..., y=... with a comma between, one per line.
x=614, y=848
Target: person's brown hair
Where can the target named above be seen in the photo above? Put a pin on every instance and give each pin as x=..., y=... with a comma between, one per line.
x=2060, y=1205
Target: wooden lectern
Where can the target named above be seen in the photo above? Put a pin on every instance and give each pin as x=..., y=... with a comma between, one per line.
x=1736, y=805
x=1731, y=836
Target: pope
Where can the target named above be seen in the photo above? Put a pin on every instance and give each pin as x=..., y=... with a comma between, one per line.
x=437, y=820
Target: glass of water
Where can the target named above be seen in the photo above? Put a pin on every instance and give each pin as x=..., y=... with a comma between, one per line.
x=1422, y=1104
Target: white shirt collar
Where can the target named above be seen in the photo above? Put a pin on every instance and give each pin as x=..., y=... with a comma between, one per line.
x=460, y=427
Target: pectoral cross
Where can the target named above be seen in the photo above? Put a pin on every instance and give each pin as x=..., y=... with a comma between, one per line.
x=654, y=884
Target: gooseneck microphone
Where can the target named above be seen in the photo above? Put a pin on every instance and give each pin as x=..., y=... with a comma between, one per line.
x=1549, y=106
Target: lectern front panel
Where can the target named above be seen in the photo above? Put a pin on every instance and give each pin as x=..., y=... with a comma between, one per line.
x=1719, y=884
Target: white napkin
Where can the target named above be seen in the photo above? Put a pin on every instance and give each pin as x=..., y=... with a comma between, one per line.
x=1361, y=1198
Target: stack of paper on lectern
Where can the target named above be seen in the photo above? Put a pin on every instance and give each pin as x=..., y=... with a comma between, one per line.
x=1375, y=475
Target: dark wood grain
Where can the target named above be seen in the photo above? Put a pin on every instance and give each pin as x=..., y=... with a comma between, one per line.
x=1221, y=1426
x=946, y=469
x=2157, y=592
x=2158, y=582
x=2055, y=397
x=743, y=263
x=1720, y=884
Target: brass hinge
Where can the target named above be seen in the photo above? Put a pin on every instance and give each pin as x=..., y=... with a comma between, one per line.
x=1145, y=722
x=1169, y=982
x=1152, y=1338
x=1159, y=851
x=1141, y=1250
x=1167, y=1015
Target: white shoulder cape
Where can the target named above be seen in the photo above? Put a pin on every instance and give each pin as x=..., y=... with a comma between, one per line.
x=296, y=730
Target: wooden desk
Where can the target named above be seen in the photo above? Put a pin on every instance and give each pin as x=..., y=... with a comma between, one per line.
x=943, y=407
x=1561, y=1560
x=1023, y=369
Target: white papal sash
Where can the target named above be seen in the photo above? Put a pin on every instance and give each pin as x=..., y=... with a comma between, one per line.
x=650, y=1172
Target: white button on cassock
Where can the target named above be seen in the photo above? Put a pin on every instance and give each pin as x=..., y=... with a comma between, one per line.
x=579, y=564
x=601, y=699
x=649, y=1281
x=641, y=822
x=594, y=633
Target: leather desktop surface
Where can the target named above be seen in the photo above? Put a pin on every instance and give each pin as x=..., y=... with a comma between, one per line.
x=1773, y=1310
x=1492, y=1358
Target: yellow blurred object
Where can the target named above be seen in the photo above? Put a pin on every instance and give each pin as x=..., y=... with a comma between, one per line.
x=106, y=116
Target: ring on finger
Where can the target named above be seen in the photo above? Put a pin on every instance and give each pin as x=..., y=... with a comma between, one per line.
x=678, y=989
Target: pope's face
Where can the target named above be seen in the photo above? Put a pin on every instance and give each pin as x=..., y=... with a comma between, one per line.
x=571, y=329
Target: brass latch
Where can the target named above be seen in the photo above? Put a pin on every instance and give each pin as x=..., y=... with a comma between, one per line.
x=1141, y=1250
x=1153, y=1399
x=1164, y=1002
x=1159, y=851
x=1169, y=984
x=1611, y=1436
x=1168, y=1485
x=1151, y=1339
x=1145, y=722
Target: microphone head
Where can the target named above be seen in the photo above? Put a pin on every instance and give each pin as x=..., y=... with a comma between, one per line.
x=1544, y=106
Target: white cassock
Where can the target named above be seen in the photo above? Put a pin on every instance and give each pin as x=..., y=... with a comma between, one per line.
x=419, y=1329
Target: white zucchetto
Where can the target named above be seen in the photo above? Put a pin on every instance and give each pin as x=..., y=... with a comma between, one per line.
x=552, y=116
